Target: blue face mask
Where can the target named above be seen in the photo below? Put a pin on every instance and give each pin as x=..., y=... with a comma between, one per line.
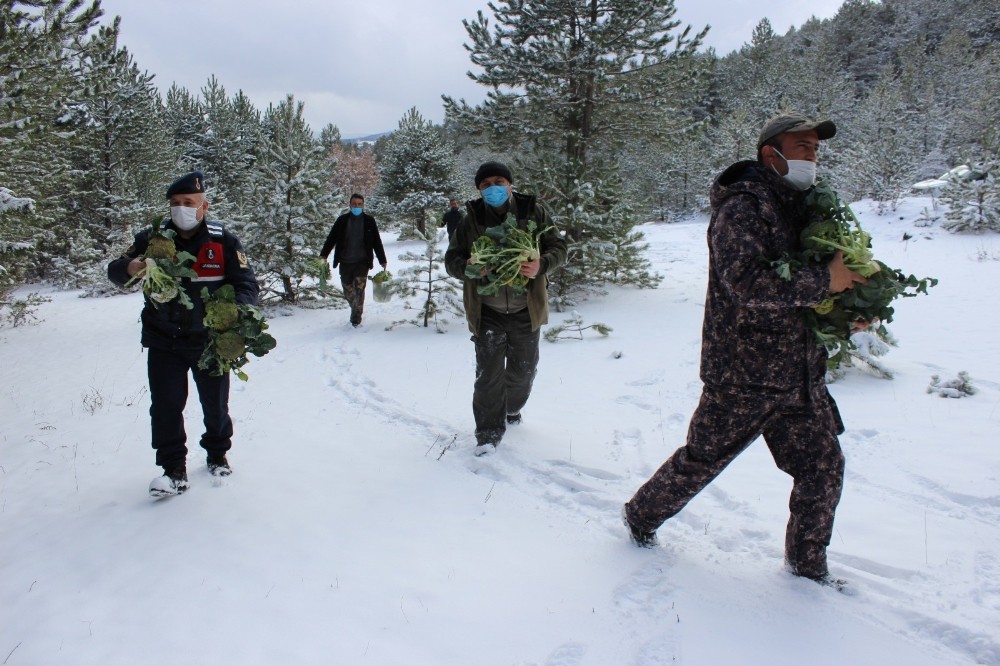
x=357, y=211
x=495, y=195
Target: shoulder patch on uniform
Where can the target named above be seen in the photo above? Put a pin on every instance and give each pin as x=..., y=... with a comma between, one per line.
x=241, y=256
x=215, y=228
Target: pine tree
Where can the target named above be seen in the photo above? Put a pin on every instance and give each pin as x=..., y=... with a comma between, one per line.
x=41, y=44
x=294, y=206
x=417, y=172
x=572, y=82
x=436, y=294
x=229, y=149
x=881, y=161
x=973, y=197
x=185, y=117
x=123, y=158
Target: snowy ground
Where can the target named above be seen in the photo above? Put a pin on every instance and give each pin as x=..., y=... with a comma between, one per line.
x=358, y=528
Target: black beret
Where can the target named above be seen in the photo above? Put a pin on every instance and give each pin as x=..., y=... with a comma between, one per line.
x=192, y=183
x=493, y=169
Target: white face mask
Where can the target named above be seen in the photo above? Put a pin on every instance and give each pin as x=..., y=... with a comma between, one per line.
x=184, y=218
x=801, y=173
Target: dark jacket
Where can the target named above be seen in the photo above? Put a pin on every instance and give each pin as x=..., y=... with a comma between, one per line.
x=754, y=338
x=553, y=255
x=220, y=260
x=451, y=219
x=335, y=240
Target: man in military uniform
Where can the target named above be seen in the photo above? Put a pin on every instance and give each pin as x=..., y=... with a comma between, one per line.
x=762, y=369
x=176, y=336
x=505, y=327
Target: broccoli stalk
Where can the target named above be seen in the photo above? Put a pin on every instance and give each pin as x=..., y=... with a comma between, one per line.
x=165, y=267
x=161, y=286
x=497, y=257
x=832, y=319
x=235, y=330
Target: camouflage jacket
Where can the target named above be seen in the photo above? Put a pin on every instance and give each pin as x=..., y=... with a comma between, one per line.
x=754, y=339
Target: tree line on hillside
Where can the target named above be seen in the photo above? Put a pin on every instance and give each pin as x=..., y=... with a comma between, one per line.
x=611, y=112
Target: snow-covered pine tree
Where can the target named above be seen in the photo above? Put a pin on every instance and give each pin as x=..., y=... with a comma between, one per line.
x=571, y=83
x=973, y=197
x=185, y=117
x=229, y=149
x=124, y=157
x=881, y=161
x=41, y=44
x=434, y=293
x=294, y=207
x=417, y=173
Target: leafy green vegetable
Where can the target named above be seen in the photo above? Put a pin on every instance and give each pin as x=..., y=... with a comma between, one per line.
x=221, y=315
x=833, y=319
x=165, y=266
x=227, y=348
x=318, y=268
x=382, y=276
x=497, y=256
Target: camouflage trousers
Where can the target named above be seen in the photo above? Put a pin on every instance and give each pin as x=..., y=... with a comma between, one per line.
x=803, y=442
x=354, y=280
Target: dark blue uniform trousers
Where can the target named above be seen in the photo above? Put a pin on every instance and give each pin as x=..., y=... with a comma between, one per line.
x=168, y=391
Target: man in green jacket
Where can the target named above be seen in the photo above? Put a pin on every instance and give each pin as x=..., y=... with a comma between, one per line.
x=505, y=327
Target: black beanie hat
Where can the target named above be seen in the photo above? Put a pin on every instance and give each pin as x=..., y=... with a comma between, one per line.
x=488, y=169
x=192, y=183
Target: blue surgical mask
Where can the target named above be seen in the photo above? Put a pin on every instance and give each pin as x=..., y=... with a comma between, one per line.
x=495, y=195
x=357, y=211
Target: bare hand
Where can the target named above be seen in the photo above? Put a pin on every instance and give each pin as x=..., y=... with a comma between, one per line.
x=135, y=266
x=529, y=269
x=842, y=277
x=482, y=271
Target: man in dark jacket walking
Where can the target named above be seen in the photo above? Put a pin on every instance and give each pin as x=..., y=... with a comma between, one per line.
x=354, y=241
x=452, y=218
x=505, y=328
x=176, y=336
x=762, y=369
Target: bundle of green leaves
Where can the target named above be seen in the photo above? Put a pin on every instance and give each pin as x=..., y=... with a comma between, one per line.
x=381, y=287
x=234, y=331
x=165, y=266
x=318, y=268
x=498, y=254
x=835, y=318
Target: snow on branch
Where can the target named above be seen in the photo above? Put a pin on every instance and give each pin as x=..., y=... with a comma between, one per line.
x=10, y=202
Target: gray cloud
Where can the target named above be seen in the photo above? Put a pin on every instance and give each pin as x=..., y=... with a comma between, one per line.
x=360, y=64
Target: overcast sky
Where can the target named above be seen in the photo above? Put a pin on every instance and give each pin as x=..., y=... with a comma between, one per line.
x=360, y=64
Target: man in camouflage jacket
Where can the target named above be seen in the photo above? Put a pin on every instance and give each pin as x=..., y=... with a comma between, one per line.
x=763, y=372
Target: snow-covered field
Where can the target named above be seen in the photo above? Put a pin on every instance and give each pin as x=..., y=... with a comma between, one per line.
x=358, y=528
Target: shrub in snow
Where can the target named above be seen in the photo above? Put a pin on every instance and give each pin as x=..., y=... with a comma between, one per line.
x=972, y=197
x=959, y=387
x=864, y=352
x=18, y=311
x=573, y=328
x=436, y=293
